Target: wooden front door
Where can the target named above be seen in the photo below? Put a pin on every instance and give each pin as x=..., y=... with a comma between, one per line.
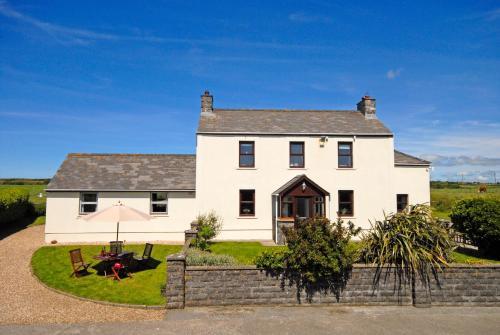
x=303, y=207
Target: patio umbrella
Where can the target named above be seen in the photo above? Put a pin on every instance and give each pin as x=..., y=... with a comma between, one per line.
x=118, y=213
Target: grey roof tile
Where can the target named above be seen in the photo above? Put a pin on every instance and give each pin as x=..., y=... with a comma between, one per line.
x=401, y=158
x=273, y=121
x=125, y=172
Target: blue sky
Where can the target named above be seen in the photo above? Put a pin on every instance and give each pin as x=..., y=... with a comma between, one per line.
x=127, y=76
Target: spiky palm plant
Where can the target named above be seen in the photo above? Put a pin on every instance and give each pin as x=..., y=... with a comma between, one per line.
x=411, y=245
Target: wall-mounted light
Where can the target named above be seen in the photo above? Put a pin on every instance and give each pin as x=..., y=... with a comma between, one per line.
x=322, y=141
x=304, y=186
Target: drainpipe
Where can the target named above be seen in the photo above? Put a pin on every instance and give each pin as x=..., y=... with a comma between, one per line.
x=276, y=220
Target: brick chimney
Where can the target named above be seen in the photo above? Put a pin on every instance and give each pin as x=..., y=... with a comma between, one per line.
x=367, y=107
x=207, y=103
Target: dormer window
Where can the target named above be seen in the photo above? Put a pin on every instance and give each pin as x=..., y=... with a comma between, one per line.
x=297, y=155
x=247, y=154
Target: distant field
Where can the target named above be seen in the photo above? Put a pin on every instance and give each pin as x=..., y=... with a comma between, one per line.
x=442, y=199
x=34, y=190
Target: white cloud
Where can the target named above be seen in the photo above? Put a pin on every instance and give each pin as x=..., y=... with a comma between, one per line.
x=393, y=74
x=439, y=160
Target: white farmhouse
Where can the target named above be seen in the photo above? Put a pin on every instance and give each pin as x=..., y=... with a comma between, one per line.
x=257, y=169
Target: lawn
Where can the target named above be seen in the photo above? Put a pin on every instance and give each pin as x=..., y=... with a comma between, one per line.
x=442, y=199
x=51, y=264
x=246, y=252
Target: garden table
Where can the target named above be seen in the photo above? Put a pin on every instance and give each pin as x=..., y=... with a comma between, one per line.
x=108, y=259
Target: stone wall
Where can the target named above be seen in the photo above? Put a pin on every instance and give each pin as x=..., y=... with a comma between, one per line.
x=466, y=285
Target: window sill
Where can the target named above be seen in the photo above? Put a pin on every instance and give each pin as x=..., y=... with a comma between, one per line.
x=348, y=217
x=346, y=168
x=158, y=215
x=297, y=168
x=247, y=217
x=246, y=168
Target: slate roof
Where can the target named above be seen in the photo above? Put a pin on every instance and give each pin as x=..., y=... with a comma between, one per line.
x=284, y=121
x=401, y=158
x=125, y=172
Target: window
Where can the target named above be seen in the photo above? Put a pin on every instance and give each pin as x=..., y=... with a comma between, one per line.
x=346, y=203
x=247, y=154
x=319, y=205
x=287, y=206
x=159, y=203
x=247, y=202
x=296, y=154
x=345, y=154
x=88, y=202
x=402, y=201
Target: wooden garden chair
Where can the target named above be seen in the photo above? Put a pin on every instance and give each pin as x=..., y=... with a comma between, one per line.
x=116, y=247
x=77, y=262
x=146, y=255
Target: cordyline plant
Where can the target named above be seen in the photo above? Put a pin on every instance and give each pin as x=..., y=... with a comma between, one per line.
x=411, y=245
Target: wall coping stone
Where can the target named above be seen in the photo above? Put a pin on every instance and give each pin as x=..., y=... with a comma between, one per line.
x=177, y=257
x=358, y=266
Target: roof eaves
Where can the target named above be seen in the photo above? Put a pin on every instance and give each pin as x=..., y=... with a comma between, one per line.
x=292, y=134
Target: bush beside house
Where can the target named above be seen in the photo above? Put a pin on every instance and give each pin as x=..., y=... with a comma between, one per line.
x=479, y=220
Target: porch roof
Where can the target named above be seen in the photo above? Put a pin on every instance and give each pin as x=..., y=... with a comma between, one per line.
x=297, y=179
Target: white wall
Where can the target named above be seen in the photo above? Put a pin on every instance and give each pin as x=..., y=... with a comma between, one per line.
x=373, y=178
x=64, y=224
x=414, y=181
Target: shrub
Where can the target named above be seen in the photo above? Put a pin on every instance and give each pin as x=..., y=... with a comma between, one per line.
x=412, y=244
x=209, y=226
x=204, y=258
x=14, y=204
x=318, y=256
x=479, y=220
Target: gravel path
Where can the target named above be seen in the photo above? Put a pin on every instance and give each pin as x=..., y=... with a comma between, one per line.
x=24, y=301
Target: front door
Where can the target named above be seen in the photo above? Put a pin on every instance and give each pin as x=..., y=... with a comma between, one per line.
x=303, y=207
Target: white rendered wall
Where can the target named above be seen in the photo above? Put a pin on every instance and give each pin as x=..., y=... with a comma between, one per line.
x=414, y=181
x=373, y=178
x=64, y=224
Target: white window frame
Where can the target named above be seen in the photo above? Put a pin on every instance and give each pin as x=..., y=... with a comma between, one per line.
x=82, y=202
x=151, y=203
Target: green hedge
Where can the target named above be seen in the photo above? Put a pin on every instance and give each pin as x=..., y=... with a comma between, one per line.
x=479, y=220
x=14, y=204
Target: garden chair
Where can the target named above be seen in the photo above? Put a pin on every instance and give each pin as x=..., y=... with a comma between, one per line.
x=116, y=247
x=125, y=266
x=146, y=255
x=77, y=262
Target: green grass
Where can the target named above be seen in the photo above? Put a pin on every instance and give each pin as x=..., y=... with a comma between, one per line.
x=471, y=256
x=34, y=190
x=51, y=264
x=442, y=199
x=243, y=252
x=38, y=221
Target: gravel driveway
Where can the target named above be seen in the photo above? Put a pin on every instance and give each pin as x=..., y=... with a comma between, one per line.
x=24, y=301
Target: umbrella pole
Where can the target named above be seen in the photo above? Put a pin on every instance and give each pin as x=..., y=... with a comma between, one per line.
x=117, y=229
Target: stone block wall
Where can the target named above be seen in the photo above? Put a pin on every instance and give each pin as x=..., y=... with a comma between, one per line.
x=465, y=285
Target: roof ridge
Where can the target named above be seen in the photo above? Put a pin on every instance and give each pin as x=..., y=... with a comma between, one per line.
x=283, y=110
x=84, y=154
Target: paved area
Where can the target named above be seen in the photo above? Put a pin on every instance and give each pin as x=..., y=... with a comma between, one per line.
x=295, y=320
x=23, y=300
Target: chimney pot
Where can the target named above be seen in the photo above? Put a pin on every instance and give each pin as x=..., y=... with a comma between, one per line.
x=207, y=102
x=367, y=106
